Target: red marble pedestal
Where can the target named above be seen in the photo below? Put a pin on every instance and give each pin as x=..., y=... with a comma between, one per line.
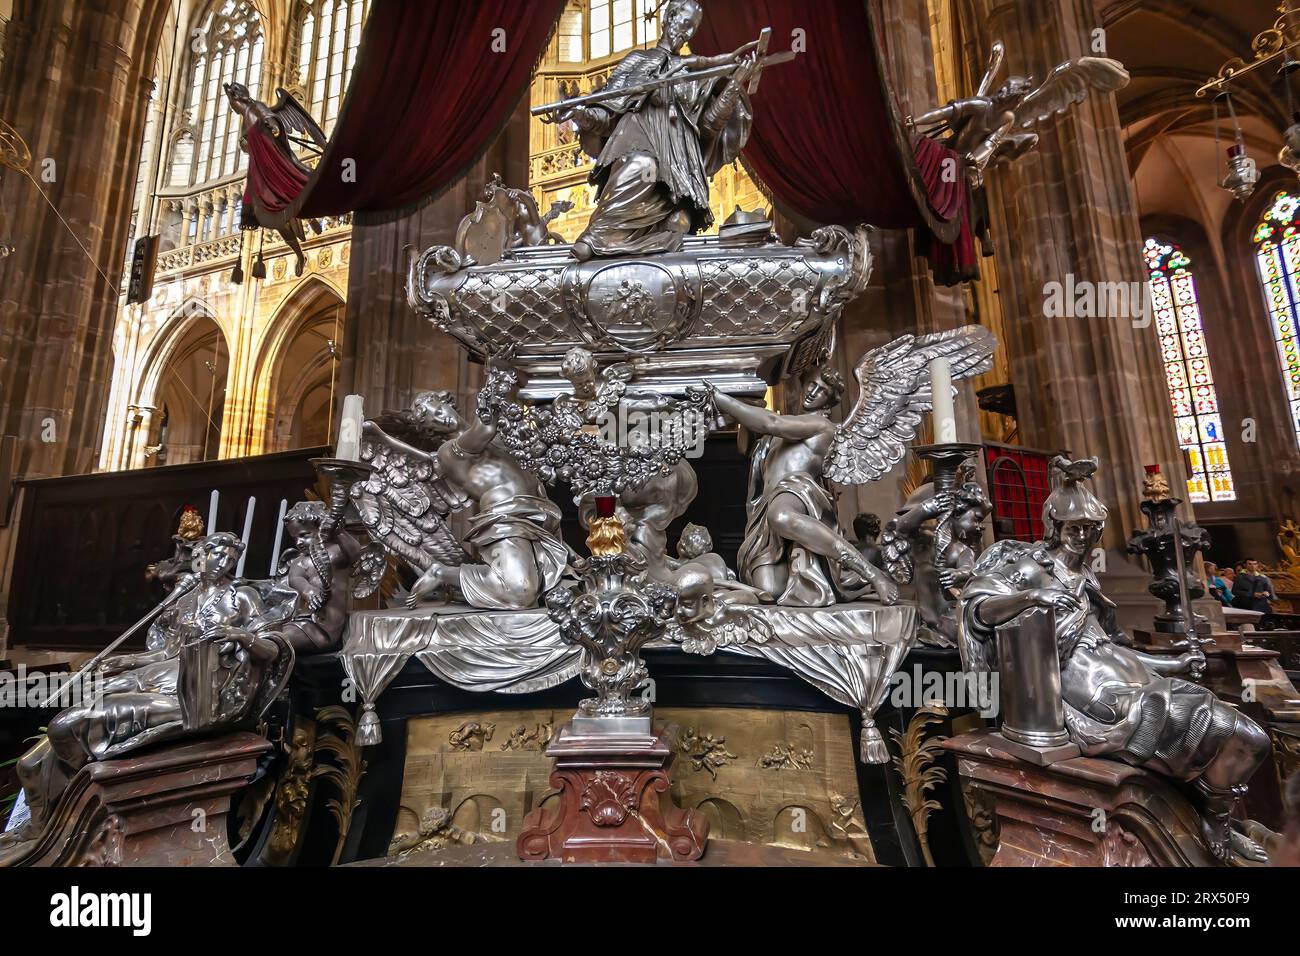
x=1080, y=812
x=614, y=804
x=165, y=806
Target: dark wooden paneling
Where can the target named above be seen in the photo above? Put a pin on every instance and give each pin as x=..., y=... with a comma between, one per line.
x=84, y=541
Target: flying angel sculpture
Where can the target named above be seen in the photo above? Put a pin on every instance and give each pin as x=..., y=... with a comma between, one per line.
x=996, y=126
x=793, y=546
x=428, y=463
x=268, y=133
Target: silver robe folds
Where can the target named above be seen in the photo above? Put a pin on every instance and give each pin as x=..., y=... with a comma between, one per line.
x=655, y=153
x=519, y=532
x=1114, y=704
x=809, y=584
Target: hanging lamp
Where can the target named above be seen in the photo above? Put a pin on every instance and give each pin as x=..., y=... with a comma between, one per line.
x=1242, y=172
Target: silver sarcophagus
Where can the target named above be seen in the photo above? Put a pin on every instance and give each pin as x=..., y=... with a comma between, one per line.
x=742, y=313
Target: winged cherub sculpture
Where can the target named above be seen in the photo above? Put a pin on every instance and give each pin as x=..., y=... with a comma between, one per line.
x=325, y=566
x=275, y=173
x=997, y=125
x=911, y=553
x=435, y=463
x=793, y=546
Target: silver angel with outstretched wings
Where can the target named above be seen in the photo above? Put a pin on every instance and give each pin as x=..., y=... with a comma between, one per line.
x=894, y=385
x=1069, y=83
x=406, y=501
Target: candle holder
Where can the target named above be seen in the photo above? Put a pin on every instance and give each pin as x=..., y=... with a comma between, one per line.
x=340, y=475
x=946, y=459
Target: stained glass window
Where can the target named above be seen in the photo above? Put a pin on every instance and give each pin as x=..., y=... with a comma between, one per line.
x=1277, y=255
x=1187, y=371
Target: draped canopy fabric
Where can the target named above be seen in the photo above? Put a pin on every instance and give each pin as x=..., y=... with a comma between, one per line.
x=437, y=79
x=274, y=181
x=434, y=82
x=827, y=140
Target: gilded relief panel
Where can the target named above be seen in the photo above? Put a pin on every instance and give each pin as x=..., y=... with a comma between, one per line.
x=779, y=778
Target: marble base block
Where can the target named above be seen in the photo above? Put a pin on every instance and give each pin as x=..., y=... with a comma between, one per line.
x=614, y=804
x=1079, y=812
x=165, y=806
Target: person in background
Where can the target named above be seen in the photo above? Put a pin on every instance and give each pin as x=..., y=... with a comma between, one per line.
x=1218, y=586
x=1251, y=590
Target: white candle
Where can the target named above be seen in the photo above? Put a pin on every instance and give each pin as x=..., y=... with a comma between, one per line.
x=279, y=533
x=945, y=422
x=212, y=512
x=248, y=530
x=349, y=443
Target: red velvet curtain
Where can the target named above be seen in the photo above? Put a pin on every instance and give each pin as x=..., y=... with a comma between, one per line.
x=827, y=140
x=941, y=171
x=433, y=84
x=436, y=79
x=274, y=181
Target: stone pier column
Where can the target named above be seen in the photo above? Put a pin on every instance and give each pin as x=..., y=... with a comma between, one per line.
x=1092, y=385
x=390, y=352
x=75, y=85
x=903, y=297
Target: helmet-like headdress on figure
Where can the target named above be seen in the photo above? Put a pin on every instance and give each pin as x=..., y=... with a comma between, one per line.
x=1070, y=499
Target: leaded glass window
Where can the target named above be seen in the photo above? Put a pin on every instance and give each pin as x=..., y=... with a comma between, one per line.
x=227, y=44
x=1188, y=375
x=1277, y=255
x=329, y=33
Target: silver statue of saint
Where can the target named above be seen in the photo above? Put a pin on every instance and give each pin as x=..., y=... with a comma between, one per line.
x=1119, y=702
x=655, y=150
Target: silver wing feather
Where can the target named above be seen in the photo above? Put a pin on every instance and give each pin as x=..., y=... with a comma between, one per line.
x=406, y=501
x=1069, y=83
x=294, y=119
x=894, y=390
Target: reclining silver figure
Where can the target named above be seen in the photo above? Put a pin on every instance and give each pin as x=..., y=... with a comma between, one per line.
x=1119, y=702
x=220, y=664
